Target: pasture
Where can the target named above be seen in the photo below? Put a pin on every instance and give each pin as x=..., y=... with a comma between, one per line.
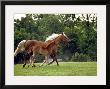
x=65, y=69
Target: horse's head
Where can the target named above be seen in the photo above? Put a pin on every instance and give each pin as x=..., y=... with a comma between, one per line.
x=58, y=38
x=20, y=47
x=64, y=38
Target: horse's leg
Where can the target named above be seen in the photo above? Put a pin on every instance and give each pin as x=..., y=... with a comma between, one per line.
x=52, y=56
x=51, y=62
x=29, y=63
x=46, y=59
x=43, y=63
x=56, y=60
x=33, y=65
x=24, y=64
x=33, y=60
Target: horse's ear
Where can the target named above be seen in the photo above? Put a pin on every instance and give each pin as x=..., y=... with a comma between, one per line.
x=62, y=33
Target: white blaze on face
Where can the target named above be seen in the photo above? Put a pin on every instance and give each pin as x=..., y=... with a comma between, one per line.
x=65, y=35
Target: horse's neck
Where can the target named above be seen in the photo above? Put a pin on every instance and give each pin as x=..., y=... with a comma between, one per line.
x=57, y=40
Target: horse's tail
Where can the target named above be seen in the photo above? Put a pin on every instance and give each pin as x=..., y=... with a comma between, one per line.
x=20, y=47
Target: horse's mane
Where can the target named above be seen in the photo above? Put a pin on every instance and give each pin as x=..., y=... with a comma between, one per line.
x=53, y=36
x=21, y=43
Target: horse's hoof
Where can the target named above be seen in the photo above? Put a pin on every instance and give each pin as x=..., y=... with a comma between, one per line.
x=39, y=66
x=33, y=66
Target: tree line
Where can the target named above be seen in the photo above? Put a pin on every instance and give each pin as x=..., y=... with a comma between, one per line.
x=80, y=28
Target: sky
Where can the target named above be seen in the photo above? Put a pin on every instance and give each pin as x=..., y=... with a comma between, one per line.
x=18, y=16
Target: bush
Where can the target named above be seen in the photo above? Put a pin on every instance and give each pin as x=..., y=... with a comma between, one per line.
x=39, y=58
x=80, y=57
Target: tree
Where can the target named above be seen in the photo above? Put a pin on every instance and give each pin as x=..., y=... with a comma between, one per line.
x=80, y=28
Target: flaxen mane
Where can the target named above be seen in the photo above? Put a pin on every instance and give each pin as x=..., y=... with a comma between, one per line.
x=52, y=37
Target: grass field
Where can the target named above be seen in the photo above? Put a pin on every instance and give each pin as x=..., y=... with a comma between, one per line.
x=65, y=69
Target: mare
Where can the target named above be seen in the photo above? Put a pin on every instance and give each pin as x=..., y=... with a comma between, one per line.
x=47, y=48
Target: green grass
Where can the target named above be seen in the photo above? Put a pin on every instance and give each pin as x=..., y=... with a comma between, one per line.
x=65, y=69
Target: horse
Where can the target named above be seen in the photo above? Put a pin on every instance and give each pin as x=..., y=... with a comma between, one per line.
x=57, y=40
x=22, y=57
x=19, y=58
x=28, y=49
x=49, y=47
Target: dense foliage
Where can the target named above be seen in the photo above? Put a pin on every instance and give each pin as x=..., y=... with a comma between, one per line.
x=80, y=28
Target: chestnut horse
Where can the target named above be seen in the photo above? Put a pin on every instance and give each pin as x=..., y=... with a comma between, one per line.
x=47, y=48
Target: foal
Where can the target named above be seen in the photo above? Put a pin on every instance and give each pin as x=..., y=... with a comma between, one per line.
x=50, y=49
